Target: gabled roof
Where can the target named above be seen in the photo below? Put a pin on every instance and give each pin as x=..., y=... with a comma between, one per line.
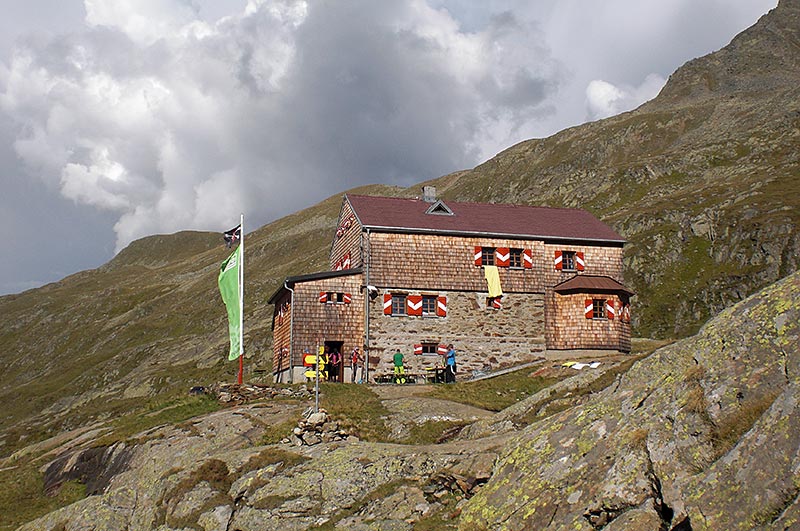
x=393, y=214
x=591, y=283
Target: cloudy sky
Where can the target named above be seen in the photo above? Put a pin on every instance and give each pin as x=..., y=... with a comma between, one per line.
x=125, y=118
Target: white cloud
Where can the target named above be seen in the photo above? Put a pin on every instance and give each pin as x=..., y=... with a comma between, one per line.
x=264, y=111
x=604, y=99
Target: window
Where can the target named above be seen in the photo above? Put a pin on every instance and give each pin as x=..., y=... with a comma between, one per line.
x=487, y=256
x=598, y=308
x=494, y=303
x=515, y=258
x=568, y=258
x=428, y=305
x=430, y=348
x=399, y=304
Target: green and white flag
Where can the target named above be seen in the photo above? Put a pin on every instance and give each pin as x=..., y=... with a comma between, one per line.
x=229, y=288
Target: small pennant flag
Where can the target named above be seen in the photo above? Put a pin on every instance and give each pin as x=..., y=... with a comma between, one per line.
x=232, y=236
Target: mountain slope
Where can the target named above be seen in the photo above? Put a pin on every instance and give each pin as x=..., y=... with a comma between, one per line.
x=704, y=180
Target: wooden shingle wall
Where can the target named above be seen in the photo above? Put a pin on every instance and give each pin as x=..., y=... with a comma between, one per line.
x=482, y=336
x=346, y=239
x=281, y=332
x=447, y=262
x=568, y=328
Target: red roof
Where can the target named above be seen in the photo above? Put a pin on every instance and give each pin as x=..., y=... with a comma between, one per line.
x=496, y=219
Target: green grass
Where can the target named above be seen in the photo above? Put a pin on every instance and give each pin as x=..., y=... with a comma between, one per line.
x=494, y=394
x=357, y=410
x=22, y=496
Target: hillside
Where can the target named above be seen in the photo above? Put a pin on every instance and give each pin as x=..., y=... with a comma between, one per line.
x=704, y=181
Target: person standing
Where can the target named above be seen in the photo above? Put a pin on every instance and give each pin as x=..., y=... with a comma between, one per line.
x=399, y=370
x=336, y=366
x=356, y=360
x=450, y=361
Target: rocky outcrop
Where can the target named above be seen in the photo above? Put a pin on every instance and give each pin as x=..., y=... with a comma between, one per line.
x=703, y=434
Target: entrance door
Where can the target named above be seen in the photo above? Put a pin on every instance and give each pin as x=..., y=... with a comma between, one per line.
x=336, y=373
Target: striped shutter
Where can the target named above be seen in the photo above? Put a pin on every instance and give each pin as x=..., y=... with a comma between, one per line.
x=346, y=261
x=588, y=308
x=338, y=266
x=387, y=304
x=414, y=304
x=580, y=264
x=323, y=296
x=557, y=262
x=527, y=259
x=348, y=298
x=441, y=350
x=478, y=256
x=502, y=257
x=417, y=350
x=610, y=309
x=441, y=306
x=627, y=313
x=497, y=304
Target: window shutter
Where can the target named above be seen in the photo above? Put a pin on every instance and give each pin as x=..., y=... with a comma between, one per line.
x=527, y=259
x=497, y=304
x=441, y=350
x=502, y=257
x=323, y=296
x=557, y=261
x=588, y=308
x=346, y=261
x=417, y=350
x=338, y=266
x=579, y=262
x=610, y=309
x=441, y=306
x=347, y=299
x=478, y=255
x=626, y=313
x=387, y=304
x=414, y=304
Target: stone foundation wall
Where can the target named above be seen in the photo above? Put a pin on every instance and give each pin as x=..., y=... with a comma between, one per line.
x=482, y=336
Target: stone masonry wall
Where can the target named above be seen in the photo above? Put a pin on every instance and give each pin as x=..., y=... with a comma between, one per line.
x=482, y=336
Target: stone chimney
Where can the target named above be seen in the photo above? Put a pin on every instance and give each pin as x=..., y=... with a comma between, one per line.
x=429, y=194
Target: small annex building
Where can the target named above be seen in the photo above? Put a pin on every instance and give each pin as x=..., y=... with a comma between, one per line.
x=506, y=284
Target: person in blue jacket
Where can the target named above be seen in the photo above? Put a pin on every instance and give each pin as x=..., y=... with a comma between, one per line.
x=450, y=361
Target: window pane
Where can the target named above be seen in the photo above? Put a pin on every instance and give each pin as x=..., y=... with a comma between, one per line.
x=515, y=258
x=398, y=304
x=487, y=258
x=568, y=258
x=598, y=308
x=428, y=305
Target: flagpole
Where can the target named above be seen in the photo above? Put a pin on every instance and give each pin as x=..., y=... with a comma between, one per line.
x=241, y=298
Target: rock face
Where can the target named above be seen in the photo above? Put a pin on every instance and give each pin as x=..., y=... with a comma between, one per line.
x=703, y=434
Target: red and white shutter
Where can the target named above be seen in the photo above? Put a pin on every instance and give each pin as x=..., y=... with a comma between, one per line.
x=441, y=350
x=441, y=306
x=346, y=261
x=502, y=257
x=338, y=266
x=580, y=264
x=626, y=313
x=610, y=309
x=478, y=256
x=417, y=350
x=414, y=304
x=497, y=304
x=588, y=308
x=323, y=296
x=348, y=298
x=557, y=261
x=387, y=304
x=527, y=259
